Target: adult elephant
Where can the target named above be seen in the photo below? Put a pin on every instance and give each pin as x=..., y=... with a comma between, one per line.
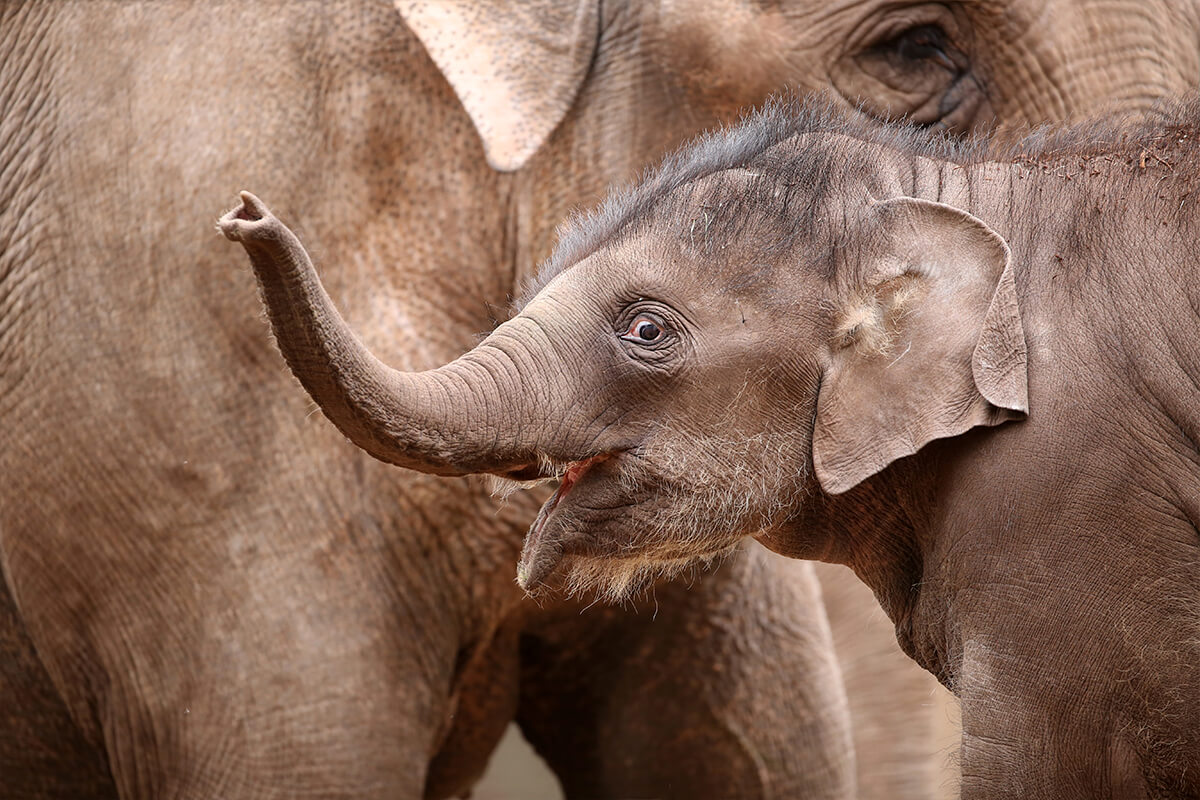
x=206, y=591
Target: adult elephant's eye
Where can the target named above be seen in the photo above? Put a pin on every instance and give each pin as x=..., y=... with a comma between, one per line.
x=644, y=329
x=926, y=43
x=912, y=65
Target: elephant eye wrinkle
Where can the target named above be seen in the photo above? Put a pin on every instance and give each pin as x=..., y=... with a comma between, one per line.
x=918, y=73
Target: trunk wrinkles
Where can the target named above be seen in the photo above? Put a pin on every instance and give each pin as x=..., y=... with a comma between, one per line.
x=433, y=421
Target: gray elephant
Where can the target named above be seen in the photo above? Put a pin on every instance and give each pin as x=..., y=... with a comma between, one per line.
x=970, y=374
x=205, y=590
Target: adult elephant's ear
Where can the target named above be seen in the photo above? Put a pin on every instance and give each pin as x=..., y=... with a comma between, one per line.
x=516, y=66
x=928, y=342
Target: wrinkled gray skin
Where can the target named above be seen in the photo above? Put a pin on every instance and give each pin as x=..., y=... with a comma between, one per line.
x=206, y=592
x=971, y=376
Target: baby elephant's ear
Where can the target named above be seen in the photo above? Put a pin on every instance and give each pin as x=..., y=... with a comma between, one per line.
x=515, y=65
x=928, y=343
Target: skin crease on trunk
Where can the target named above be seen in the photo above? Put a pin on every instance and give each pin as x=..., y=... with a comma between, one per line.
x=206, y=592
x=1026, y=511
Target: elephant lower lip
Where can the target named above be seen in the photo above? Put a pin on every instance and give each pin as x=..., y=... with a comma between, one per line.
x=540, y=555
x=575, y=471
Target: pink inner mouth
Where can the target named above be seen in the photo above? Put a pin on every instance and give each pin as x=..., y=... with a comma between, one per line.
x=574, y=472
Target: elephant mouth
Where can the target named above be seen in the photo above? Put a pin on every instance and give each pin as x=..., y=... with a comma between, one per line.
x=567, y=473
x=534, y=543
x=575, y=470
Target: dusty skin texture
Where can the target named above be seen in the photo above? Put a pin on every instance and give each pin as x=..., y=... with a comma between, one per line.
x=967, y=372
x=206, y=592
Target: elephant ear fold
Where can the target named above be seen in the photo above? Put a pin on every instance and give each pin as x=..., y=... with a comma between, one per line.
x=515, y=66
x=928, y=341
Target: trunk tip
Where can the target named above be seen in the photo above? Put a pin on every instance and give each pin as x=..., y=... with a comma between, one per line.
x=253, y=208
x=248, y=220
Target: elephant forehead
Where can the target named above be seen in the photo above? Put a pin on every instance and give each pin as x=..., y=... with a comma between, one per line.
x=581, y=285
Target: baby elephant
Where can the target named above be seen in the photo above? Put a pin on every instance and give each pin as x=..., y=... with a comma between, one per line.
x=969, y=372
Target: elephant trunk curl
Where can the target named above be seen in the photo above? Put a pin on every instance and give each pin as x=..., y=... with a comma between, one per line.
x=442, y=421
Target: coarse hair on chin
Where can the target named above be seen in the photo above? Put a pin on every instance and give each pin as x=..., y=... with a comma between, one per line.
x=616, y=581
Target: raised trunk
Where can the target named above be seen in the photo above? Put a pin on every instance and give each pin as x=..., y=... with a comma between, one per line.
x=442, y=421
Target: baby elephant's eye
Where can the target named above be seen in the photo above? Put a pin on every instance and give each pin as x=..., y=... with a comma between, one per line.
x=644, y=329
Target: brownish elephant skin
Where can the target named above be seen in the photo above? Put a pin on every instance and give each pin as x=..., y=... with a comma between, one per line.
x=207, y=592
x=212, y=593
x=886, y=696
x=598, y=707
x=971, y=374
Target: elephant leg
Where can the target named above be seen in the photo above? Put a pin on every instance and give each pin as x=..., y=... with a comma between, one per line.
x=483, y=704
x=319, y=711
x=42, y=752
x=291, y=674
x=726, y=687
x=899, y=711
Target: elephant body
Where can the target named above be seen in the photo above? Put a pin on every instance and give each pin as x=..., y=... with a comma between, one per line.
x=206, y=592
